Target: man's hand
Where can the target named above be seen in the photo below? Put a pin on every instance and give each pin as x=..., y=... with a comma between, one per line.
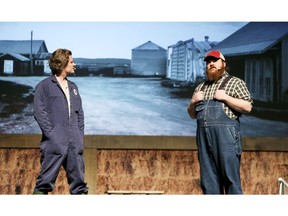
x=220, y=95
x=198, y=96
x=237, y=104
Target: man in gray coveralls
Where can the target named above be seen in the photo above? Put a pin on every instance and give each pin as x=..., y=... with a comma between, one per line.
x=59, y=114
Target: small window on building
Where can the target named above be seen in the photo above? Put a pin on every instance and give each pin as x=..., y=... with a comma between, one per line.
x=39, y=62
x=8, y=66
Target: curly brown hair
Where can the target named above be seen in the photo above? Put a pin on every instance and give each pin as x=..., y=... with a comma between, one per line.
x=59, y=60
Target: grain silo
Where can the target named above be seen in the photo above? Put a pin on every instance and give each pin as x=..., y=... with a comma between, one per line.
x=148, y=59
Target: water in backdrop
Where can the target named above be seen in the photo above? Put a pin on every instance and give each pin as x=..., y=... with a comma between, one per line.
x=141, y=106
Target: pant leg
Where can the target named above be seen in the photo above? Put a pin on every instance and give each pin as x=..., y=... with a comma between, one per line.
x=230, y=149
x=50, y=167
x=75, y=172
x=209, y=176
x=53, y=152
x=75, y=166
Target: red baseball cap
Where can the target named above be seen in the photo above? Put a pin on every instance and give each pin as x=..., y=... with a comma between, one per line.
x=215, y=54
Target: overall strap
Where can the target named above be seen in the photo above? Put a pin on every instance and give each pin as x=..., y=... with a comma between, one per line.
x=203, y=86
x=225, y=81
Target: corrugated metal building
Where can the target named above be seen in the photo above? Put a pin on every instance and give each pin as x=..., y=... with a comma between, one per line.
x=185, y=59
x=15, y=57
x=148, y=59
x=258, y=53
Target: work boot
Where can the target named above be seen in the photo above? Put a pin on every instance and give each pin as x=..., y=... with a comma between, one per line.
x=39, y=193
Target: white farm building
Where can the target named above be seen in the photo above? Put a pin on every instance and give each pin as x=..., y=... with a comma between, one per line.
x=148, y=59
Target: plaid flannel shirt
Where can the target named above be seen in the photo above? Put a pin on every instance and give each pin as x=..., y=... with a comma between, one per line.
x=235, y=87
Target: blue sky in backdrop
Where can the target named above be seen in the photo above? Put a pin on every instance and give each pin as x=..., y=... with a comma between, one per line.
x=111, y=28
x=114, y=39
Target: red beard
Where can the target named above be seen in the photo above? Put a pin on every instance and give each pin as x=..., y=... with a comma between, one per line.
x=214, y=74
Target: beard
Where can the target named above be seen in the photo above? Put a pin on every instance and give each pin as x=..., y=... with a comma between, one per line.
x=213, y=74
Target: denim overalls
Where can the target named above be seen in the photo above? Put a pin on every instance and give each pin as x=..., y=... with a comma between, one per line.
x=219, y=148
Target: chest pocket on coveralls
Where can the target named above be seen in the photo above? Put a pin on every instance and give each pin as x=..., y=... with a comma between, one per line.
x=56, y=102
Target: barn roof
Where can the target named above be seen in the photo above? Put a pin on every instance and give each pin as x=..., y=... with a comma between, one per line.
x=253, y=38
x=21, y=46
x=16, y=56
x=149, y=46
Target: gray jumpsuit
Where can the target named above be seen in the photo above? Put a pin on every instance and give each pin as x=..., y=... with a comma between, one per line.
x=62, y=135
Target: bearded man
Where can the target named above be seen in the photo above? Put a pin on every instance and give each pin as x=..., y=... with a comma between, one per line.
x=217, y=104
